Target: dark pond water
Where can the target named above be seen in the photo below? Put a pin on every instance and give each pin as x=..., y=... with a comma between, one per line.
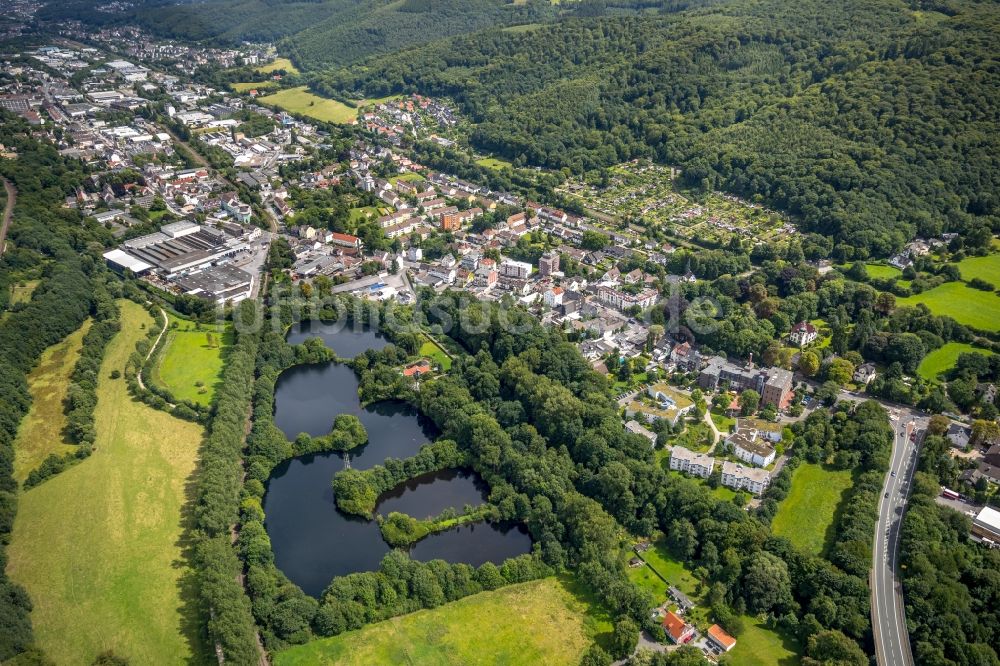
x=312, y=541
x=345, y=339
x=429, y=494
x=474, y=544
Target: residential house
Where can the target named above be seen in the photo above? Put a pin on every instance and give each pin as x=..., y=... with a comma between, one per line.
x=803, y=333
x=720, y=639
x=678, y=630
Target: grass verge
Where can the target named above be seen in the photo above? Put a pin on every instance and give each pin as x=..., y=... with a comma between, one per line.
x=100, y=547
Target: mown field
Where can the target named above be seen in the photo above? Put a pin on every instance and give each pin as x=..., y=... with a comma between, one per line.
x=300, y=100
x=979, y=309
x=805, y=516
x=943, y=359
x=539, y=622
x=190, y=363
x=40, y=433
x=759, y=645
x=882, y=271
x=279, y=63
x=494, y=163
x=100, y=547
x=431, y=350
x=244, y=86
x=985, y=268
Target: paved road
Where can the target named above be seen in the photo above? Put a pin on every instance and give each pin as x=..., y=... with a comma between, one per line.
x=8, y=213
x=892, y=640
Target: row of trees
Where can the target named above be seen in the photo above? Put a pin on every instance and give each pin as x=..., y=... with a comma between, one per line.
x=57, y=244
x=217, y=491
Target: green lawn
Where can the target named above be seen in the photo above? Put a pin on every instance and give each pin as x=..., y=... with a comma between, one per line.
x=882, y=271
x=434, y=352
x=806, y=515
x=696, y=437
x=494, y=163
x=539, y=622
x=365, y=212
x=189, y=357
x=671, y=569
x=300, y=100
x=40, y=433
x=252, y=85
x=979, y=309
x=409, y=177
x=985, y=268
x=723, y=493
x=101, y=547
x=944, y=358
x=760, y=646
x=278, y=63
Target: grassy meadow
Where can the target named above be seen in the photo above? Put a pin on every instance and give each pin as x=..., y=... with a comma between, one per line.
x=191, y=357
x=300, y=100
x=806, y=515
x=100, y=547
x=943, y=359
x=278, y=63
x=759, y=645
x=245, y=86
x=972, y=307
x=539, y=622
x=494, y=163
x=431, y=350
x=21, y=292
x=985, y=268
x=40, y=433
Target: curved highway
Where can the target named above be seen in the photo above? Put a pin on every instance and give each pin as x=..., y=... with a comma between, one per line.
x=892, y=640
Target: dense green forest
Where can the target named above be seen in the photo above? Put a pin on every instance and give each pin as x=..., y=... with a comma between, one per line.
x=951, y=584
x=871, y=121
x=334, y=32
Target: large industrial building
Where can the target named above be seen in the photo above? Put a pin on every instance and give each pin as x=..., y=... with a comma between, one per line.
x=190, y=256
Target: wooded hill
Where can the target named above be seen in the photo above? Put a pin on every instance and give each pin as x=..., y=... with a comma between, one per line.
x=873, y=122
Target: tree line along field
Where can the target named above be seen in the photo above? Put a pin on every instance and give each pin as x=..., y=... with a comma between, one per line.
x=41, y=432
x=539, y=622
x=100, y=547
x=191, y=360
x=806, y=515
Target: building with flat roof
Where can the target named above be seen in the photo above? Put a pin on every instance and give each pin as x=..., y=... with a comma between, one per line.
x=738, y=477
x=987, y=524
x=773, y=384
x=222, y=284
x=697, y=464
x=750, y=447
